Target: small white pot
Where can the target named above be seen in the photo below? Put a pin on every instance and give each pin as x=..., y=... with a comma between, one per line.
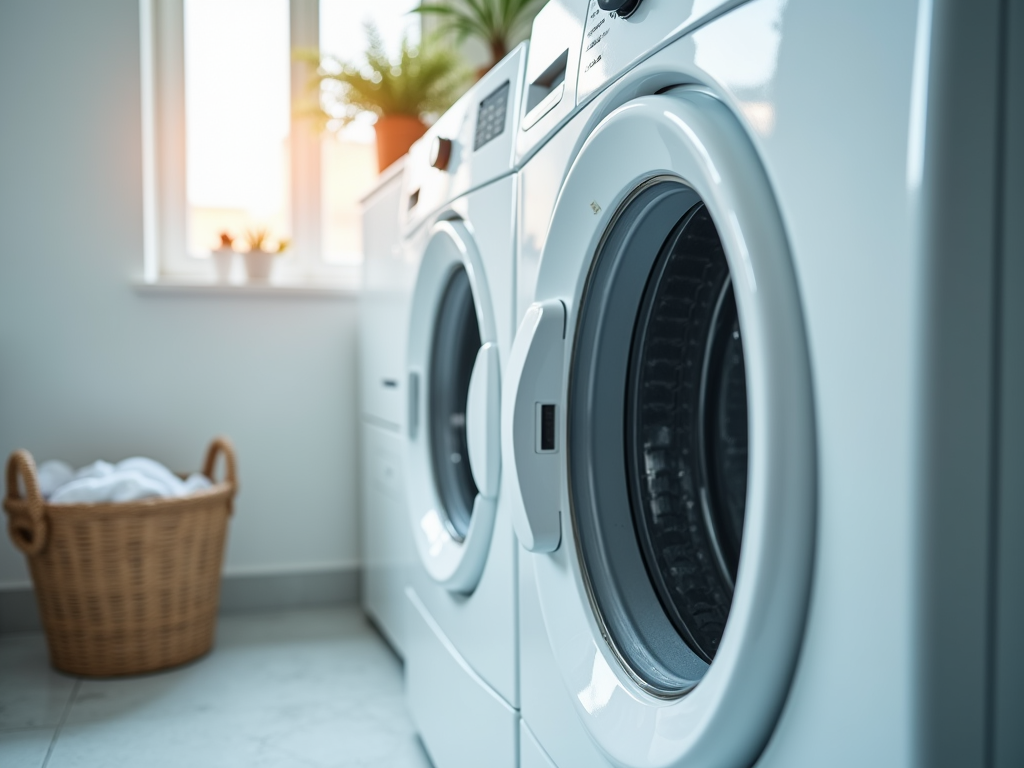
x=258, y=265
x=223, y=260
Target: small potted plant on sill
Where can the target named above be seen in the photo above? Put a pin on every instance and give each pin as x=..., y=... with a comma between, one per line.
x=259, y=259
x=401, y=92
x=224, y=257
x=498, y=24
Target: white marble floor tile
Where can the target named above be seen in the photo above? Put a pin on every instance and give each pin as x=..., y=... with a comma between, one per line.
x=32, y=694
x=24, y=748
x=303, y=660
x=258, y=742
x=314, y=688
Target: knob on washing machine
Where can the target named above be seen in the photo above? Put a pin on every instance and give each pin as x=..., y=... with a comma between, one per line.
x=440, y=153
x=623, y=8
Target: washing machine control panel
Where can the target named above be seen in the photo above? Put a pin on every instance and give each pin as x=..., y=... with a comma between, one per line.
x=470, y=145
x=620, y=33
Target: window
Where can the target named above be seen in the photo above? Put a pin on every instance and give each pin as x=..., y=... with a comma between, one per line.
x=227, y=146
x=237, y=119
x=349, y=157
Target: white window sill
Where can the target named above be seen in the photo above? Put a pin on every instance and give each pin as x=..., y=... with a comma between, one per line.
x=198, y=286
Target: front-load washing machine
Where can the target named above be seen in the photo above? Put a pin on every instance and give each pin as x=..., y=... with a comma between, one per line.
x=760, y=408
x=459, y=207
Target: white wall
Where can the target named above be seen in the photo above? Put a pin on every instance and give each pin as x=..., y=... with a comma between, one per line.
x=90, y=368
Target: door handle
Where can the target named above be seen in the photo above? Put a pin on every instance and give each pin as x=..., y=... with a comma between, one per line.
x=532, y=426
x=483, y=421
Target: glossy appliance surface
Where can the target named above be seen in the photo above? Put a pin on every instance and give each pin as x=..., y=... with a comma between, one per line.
x=861, y=482
x=389, y=554
x=579, y=48
x=470, y=145
x=459, y=207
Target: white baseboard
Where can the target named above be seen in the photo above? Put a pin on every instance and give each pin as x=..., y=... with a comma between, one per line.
x=252, y=593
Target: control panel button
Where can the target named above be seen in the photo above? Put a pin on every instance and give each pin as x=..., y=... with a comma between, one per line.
x=622, y=8
x=440, y=153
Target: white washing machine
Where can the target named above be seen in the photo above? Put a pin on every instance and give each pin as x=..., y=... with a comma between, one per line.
x=387, y=546
x=762, y=408
x=459, y=201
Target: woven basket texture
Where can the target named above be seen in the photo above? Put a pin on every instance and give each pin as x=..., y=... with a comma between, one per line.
x=124, y=588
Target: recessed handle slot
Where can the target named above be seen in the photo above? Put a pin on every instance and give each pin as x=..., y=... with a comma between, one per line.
x=389, y=383
x=545, y=428
x=413, y=414
x=546, y=91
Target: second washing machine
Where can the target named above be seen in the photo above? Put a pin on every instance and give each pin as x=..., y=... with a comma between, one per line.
x=458, y=213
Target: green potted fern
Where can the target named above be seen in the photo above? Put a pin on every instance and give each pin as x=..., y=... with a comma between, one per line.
x=423, y=80
x=498, y=24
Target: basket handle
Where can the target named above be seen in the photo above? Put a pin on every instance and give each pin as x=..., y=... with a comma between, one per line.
x=221, y=445
x=28, y=531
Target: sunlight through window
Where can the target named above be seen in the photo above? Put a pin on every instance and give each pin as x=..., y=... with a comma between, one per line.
x=238, y=114
x=349, y=160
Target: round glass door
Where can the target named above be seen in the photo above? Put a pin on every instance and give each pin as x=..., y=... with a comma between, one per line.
x=675, y=594
x=451, y=358
x=658, y=436
x=686, y=434
x=454, y=350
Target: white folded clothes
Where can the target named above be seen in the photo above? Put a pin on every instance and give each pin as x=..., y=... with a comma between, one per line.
x=96, y=469
x=52, y=475
x=196, y=482
x=129, y=480
x=171, y=484
x=117, y=486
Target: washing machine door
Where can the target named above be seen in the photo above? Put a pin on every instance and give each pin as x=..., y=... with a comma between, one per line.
x=659, y=429
x=454, y=411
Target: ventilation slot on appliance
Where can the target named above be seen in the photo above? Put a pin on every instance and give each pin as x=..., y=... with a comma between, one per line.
x=546, y=91
x=413, y=199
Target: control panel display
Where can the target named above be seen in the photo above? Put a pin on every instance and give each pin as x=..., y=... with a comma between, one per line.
x=490, y=116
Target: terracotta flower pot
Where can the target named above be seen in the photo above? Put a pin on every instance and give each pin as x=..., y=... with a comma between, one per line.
x=258, y=265
x=395, y=134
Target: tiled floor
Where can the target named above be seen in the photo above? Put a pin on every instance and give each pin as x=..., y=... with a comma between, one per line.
x=312, y=688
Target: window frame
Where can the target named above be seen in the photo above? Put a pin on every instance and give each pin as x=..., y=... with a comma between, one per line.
x=166, y=255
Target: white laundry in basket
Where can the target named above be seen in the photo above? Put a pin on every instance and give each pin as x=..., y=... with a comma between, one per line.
x=128, y=480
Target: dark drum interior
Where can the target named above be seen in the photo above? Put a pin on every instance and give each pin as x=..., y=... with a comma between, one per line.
x=453, y=354
x=658, y=436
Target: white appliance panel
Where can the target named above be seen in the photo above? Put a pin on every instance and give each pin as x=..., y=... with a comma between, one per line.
x=552, y=65
x=462, y=722
x=531, y=753
x=550, y=722
x=612, y=45
x=539, y=182
x=387, y=547
x=388, y=552
x=383, y=325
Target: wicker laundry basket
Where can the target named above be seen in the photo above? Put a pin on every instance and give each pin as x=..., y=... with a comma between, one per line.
x=124, y=587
